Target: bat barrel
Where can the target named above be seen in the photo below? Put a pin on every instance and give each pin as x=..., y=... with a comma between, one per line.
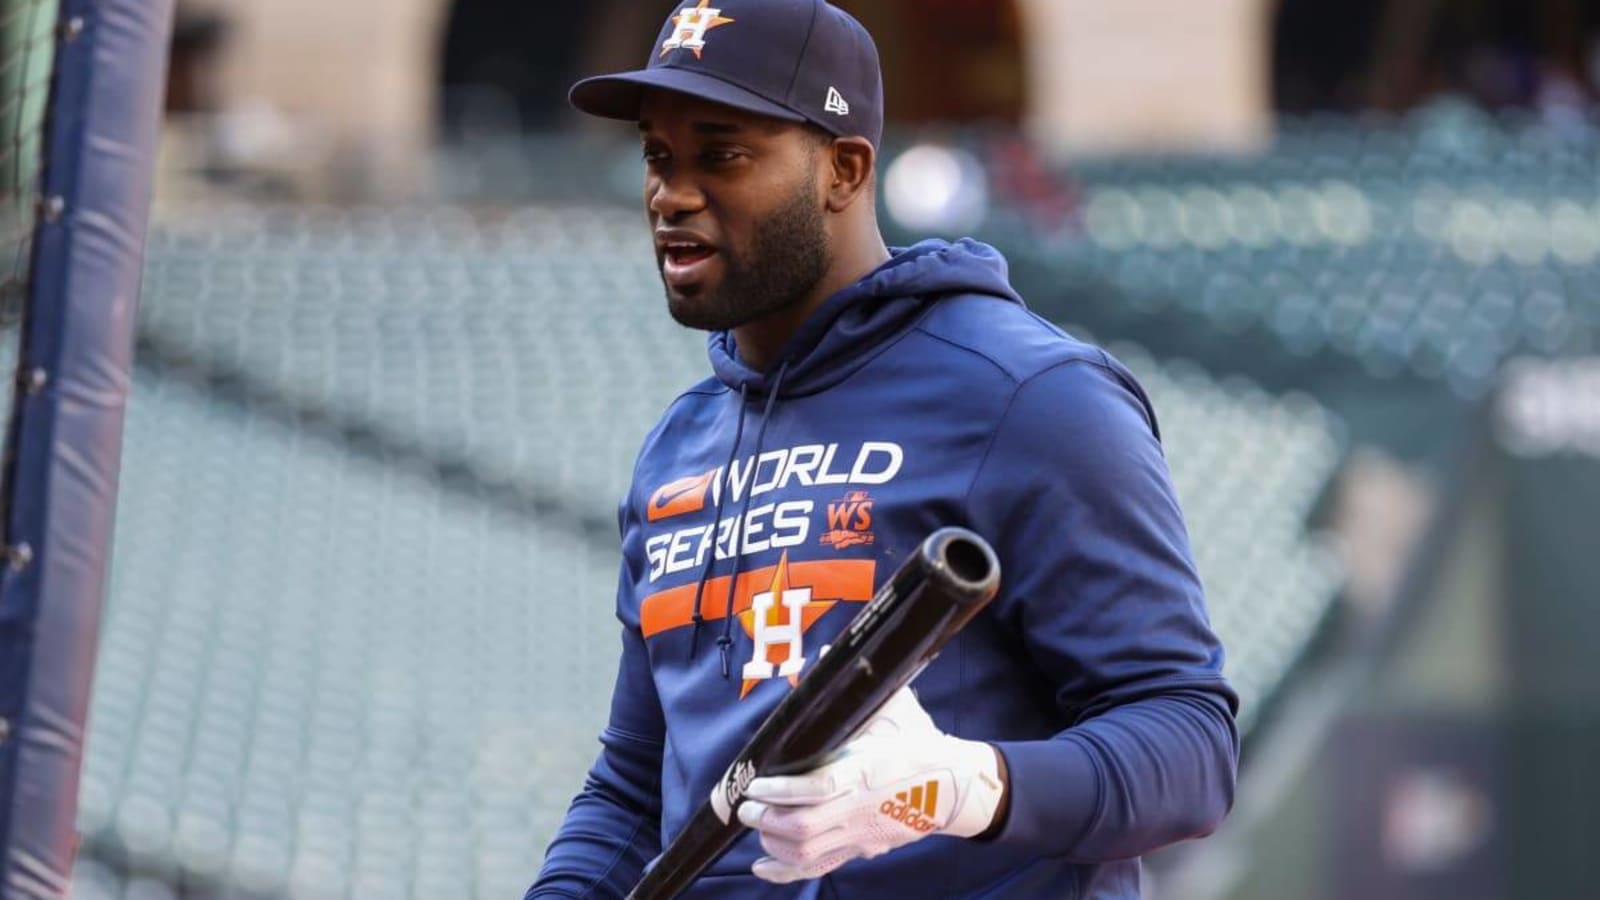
x=965, y=562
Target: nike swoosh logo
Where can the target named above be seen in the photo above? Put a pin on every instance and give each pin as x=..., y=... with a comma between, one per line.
x=678, y=497
x=664, y=499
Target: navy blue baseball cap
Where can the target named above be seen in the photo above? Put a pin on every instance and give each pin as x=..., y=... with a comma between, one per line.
x=796, y=60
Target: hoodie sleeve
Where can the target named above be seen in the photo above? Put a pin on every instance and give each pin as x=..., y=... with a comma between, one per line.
x=1101, y=591
x=612, y=829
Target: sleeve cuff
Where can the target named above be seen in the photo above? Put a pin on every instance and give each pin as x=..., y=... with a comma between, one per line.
x=1055, y=794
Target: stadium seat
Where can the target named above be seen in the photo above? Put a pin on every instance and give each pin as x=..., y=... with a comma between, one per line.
x=328, y=674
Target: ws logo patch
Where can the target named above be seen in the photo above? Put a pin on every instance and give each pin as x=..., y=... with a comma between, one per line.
x=849, y=522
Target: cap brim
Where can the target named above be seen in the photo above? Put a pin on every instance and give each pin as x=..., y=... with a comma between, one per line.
x=620, y=96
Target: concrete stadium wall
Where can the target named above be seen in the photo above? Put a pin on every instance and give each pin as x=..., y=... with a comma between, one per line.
x=354, y=83
x=1139, y=75
x=340, y=93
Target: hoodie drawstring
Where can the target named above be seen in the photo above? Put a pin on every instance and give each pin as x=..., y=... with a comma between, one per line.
x=725, y=643
x=716, y=522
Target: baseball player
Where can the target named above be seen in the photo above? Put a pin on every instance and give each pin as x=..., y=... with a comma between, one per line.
x=861, y=398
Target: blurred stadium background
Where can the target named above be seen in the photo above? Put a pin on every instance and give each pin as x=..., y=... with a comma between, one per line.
x=401, y=333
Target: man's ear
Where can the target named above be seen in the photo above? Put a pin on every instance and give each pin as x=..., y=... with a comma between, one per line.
x=851, y=164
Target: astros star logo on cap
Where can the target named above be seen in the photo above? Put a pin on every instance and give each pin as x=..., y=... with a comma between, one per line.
x=692, y=24
x=790, y=60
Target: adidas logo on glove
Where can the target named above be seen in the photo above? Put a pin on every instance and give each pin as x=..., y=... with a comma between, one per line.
x=914, y=808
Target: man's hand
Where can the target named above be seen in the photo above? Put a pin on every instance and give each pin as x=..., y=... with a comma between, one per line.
x=898, y=780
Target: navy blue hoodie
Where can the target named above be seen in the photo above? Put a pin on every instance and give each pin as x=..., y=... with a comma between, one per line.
x=924, y=395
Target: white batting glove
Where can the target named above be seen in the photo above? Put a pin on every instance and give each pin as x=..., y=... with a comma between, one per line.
x=898, y=780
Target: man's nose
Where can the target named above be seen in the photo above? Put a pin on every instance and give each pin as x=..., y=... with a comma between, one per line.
x=675, y=195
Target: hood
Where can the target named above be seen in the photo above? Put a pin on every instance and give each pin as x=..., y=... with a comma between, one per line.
x=845, y=330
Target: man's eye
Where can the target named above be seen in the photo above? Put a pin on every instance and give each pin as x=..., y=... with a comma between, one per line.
x=721, y=156
x=652, y=155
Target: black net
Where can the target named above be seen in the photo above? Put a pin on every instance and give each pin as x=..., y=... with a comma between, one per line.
x=27, y=29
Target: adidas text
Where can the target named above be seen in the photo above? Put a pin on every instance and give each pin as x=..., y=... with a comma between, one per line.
x=907, y=814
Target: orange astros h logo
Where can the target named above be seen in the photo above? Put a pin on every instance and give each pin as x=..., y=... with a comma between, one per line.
x=681, y=497
x=768, y=603
x=777, y=620
x=849, y=522
x=690, y=27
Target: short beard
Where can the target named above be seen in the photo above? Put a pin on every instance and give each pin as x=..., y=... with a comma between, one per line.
x=788, y=257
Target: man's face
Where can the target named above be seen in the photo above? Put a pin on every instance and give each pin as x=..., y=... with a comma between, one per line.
x=734, y=203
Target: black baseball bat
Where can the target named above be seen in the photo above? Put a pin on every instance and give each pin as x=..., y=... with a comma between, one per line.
x=948, y=580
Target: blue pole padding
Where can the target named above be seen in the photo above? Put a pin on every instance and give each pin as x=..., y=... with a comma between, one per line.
x=101, y=132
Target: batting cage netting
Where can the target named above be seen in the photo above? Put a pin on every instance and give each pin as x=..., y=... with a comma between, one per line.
x=27, y=49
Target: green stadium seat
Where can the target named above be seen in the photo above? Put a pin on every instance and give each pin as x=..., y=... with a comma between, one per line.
x=328, y=674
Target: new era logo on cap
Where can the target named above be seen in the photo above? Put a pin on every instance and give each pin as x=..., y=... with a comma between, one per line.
x=836, y=103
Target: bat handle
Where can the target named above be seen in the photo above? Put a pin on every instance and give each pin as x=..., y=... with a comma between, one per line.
x=673, y=873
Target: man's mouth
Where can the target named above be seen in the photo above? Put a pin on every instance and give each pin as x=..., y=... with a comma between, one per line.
x=687, y=254
x=685, y=263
